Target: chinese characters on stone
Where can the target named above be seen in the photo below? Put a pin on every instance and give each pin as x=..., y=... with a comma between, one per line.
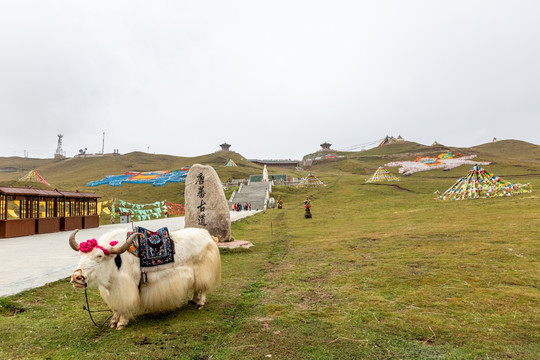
x=201, y=193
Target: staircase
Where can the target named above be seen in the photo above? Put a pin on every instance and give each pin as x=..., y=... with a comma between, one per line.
x=256, y=193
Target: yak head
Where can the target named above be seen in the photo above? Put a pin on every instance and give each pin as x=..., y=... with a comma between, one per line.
x=96, y=258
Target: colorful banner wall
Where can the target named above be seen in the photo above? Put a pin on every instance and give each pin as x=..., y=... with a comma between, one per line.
x=156, y=178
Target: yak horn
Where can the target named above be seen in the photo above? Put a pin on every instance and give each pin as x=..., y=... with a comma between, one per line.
x=72, y=242
x=125, y=246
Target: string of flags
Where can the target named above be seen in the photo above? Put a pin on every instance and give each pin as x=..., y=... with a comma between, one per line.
x=479, y=183
x=175, y=209
x=229, y=163
x=33, y=176
x=310, y=180
x=140, y=212
x=381, y=174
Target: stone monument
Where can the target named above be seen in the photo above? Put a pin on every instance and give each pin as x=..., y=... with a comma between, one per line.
x=205, y=202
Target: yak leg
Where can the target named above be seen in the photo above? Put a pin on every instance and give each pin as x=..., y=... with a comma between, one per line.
x=202, y=300
x=122, y=322
x=195, y=298
x=114, y=319
x=199, y=299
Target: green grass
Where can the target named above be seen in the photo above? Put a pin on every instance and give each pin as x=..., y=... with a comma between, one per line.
x=379, y=272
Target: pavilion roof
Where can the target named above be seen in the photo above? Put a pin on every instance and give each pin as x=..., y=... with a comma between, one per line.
x=45, y=193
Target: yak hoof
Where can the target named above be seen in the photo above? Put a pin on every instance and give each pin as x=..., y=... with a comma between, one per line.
x=192, y=302
x=200, y=306
x=122, y=322
x=114, y=320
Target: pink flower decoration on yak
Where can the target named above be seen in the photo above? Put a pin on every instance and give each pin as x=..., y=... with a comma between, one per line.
x=89, y=245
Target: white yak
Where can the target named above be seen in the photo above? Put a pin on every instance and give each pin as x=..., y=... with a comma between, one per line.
x=196, y=270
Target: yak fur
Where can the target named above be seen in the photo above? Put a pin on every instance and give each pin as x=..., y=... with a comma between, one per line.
x=196, y=270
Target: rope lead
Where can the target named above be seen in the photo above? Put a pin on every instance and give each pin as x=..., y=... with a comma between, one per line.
x=87, y=308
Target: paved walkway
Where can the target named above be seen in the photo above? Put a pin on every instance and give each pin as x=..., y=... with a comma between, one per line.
x=254, y=193
x=27, y=262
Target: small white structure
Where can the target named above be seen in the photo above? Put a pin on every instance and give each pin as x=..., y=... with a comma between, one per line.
x=265, y=174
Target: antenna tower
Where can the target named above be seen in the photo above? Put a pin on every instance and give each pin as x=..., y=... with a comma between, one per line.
x=59, y=154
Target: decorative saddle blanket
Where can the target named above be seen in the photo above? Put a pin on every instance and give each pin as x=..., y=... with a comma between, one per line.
x=154, y=248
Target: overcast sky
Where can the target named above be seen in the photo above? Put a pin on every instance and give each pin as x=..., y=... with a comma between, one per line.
x=272, y=78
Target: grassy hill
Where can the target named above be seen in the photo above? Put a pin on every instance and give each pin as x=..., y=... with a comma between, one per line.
x=510, y=150
x=380, y=272
x=366, y=162
x=509, y=157
x=74, y=173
